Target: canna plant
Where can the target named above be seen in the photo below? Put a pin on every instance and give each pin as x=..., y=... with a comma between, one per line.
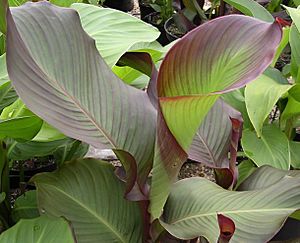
x=57, y=71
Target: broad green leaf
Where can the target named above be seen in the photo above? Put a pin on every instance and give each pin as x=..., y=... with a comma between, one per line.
x=79, y=95
x=7, y=95
x=3, y=7
x=88, y=194
x=115, y=32
x=295, y=52
x=193, y=205
x=245, y=168
x=48, y=134
x=197, y=69
x=3, y=70
x=295, y=15
x=266, y=90
x=236, y=99
x=25, y=127
x=292, y=109
x=282, y=45
x=272, y=148
x=29, y=149
x=42, y=229
x=251, y=8
x=16, y=3
x=265, y=177
x=15, y=110
x=65, y=3
x=25, y=207
x=296, y=2
x=295, y=154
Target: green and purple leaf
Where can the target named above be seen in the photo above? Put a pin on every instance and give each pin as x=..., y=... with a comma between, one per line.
x=217, y=57
x=194, y=204
x=57, y=71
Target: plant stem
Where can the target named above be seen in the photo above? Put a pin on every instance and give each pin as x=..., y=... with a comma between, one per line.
x=199, y=10
x=4, y=184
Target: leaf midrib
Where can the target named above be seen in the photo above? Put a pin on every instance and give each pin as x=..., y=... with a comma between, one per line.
x=103, y=221
x=75, y=102
x=232, y=212
x=207, y=148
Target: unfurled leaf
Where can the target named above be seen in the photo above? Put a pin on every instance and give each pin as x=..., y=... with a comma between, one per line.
x=115, y=32
x=251, y=8
x=266, y=89
x=219, y=56
x=25, y=207
x=265, y=177
x=272, y=148
x=42, y=229
x=194, y=203
x=87, y=193
x=71, y=87
x=48, y=133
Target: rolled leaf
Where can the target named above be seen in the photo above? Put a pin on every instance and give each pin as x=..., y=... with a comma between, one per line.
x=217, y=57
x=70, y=86
x=87, y=193
x=194, y=203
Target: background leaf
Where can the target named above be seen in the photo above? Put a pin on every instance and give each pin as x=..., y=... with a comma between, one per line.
x=251, y=8
x=81, y=191
x=115, y=32
x=266, y=89
x=42, y=229
x=272, y=148
x=25, y=207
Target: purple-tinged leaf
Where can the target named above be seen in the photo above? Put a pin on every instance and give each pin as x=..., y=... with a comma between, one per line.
x=219, y=56
x=59, y=74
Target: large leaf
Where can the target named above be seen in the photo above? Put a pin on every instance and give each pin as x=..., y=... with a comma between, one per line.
x=42, y=229
x=193, y=205
x=87, y=193
x=219, y=56
x=266, y=89
x=251, y=8
x=265, y=177
x=295, y=52
x=115, y=32
x=79, y=95
x=245, y=168
x=25, y=207
x=272, y=148
x=65, y=3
